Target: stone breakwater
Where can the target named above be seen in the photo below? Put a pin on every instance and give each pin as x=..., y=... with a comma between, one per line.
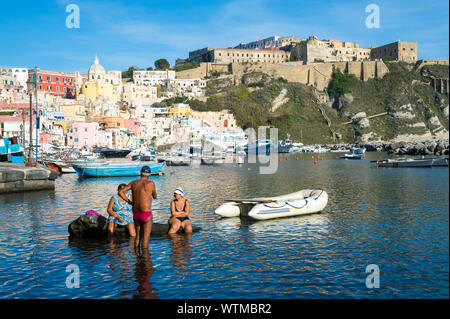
x=436, y=148
x=16, y=178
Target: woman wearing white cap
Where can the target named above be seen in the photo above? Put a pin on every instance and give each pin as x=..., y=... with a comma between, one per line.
x=179, y=209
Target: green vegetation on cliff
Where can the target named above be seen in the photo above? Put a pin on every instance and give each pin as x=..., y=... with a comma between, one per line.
x=404, y=100
x=341, y=83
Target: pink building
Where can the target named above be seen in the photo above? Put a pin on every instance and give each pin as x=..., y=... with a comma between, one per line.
x=88, y=135
x=45, y=138
x=134, y=126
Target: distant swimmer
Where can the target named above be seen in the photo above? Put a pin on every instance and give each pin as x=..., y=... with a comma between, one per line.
x=143, y=191
x=180, y=209
x=120, y=213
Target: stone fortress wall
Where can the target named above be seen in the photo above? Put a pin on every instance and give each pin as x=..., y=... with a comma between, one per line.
x=317, y=74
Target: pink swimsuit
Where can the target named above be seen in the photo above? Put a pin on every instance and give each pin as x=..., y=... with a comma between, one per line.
x=141, y=216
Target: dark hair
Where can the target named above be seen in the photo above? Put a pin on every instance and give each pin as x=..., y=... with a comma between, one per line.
x=121, y=186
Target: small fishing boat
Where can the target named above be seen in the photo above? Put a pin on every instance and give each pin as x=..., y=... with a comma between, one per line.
x=352, y=156
x=303, y=202
x=113, y=169
x=404, y=162
x=61, y=167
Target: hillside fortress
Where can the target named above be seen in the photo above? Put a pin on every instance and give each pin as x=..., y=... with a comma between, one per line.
x=317, y=75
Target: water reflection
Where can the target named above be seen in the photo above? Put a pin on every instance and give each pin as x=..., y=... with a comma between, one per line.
x=143, y=272
x=397, y=218
x=181, y=251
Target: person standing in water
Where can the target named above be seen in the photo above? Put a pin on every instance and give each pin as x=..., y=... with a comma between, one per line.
x=143, y=191
x=180, y=210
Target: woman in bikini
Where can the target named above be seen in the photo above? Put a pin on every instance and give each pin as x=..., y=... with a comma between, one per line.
x=120, y=213
x=179, y=209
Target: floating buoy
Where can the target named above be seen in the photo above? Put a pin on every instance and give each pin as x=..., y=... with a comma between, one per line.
x=322, y=159
x=296, y=158
x=315, y=162
x=280, y=160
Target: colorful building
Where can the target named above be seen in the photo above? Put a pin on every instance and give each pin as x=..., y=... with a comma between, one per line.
x=220, y=121
x=180, y=110
x=134, y=126
x=88, y=135
x=110, y=122
x=100, y=83
x=73, y=112
x=54, y=82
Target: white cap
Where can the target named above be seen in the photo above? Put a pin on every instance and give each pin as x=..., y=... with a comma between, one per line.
x=179, y=190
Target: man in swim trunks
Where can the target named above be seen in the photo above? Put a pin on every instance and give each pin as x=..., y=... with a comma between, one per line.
x=142, y=190
x=180, y=210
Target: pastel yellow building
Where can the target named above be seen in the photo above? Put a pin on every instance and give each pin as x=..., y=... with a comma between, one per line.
x=181, y=110
x=65, y=126
x=100, y=83
x=73, y=112
x=109, y=122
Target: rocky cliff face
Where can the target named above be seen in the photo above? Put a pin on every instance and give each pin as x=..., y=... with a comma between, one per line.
x=402, y=106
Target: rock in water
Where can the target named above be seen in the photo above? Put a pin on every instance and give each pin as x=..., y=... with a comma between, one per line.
x=93, y=226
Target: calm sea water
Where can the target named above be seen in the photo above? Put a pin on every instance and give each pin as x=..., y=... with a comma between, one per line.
x=397, y=219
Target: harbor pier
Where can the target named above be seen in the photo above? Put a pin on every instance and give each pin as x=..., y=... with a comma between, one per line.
x=15, y=178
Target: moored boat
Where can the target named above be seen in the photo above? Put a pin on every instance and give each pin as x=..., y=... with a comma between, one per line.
x=285, y=146
x=352, y=156
x=212, y=159
x=61, y=167
x=113, y=153
x=299, y=203
x=113, y=169
x=260, y=147
x=402, y=162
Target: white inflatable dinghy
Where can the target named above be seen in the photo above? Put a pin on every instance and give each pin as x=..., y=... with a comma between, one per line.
x=303, y=202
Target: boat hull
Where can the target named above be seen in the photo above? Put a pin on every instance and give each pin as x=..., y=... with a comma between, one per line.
x=440, y=162
x=352, y=156
x=109, y=169
x=212, y=160
x=409, y=163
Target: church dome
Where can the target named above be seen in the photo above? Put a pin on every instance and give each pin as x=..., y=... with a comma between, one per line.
x=96, y=68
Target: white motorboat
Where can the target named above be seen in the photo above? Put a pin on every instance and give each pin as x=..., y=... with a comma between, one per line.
x=303, y=202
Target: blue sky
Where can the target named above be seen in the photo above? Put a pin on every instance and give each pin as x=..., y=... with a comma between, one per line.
x=125, y=33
